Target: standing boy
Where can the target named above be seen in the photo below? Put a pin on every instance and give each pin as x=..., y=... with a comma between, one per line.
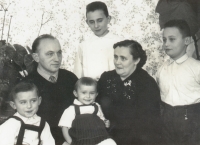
x=179, y=82
x=96, y=54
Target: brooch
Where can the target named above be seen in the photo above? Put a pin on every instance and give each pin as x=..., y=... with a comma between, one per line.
x=128, y=83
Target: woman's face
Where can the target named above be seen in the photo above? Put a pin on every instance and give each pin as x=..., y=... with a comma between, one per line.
x=125, y=65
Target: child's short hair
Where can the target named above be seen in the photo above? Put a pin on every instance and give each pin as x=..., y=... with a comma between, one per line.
x=22, y=87
x=85, y=81
x=97, y=5
x=181, y=25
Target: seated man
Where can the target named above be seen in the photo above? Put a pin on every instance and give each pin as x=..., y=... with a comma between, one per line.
x=55, y=85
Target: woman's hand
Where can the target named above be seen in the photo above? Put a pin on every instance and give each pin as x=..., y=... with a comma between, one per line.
x=107, y=123
x=65, y=143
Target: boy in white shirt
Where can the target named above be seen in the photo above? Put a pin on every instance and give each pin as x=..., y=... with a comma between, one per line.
x=25, y=127
x=179, y=82
x=83, y=123
x=96, y=54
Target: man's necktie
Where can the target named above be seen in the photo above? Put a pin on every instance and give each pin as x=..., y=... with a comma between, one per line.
x=52, y=79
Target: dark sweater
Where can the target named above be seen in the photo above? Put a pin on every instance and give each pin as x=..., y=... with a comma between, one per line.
x=56, y=97
x=132, y=106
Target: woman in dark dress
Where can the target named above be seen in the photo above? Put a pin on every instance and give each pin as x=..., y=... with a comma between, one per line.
x=130, y=97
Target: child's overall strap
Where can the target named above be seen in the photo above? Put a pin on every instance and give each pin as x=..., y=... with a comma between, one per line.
x=42, y=124
x=29, y=127
x=96, y=109
x=77, y=108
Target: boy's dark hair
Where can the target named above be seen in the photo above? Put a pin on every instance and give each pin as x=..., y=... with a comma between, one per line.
x=97, y=5
x=135, y=50
x=85, y=81
x=181, y=25
x=36, y=42
x=22, y=87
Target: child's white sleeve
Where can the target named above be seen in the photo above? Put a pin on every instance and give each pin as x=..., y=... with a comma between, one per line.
x=46, y=136
x=100, y=112
x=9, y=131
x=67, y=117
x=78, y=66
x=157, y=76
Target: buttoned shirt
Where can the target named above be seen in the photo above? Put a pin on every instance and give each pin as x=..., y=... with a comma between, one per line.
x=69, y=114
x=95, y=56
x=179, y=81
x=9, y=131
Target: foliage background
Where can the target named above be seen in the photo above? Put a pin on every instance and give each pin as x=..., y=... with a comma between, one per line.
x=65, y=19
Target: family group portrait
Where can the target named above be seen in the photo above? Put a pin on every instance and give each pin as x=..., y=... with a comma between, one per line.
x=100, y=72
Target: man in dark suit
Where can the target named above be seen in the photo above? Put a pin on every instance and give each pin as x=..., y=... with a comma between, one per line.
x=55, y=85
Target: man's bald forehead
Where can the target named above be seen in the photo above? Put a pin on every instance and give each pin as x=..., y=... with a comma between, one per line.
x=38, y=40
x=46, y=42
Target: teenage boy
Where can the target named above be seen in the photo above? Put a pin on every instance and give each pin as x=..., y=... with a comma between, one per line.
x=96, y=55
x=179, y=82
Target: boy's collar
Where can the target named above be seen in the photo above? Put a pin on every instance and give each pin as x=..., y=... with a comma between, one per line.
x=106, y=35
x=180, y=60
x=77, y=102
x=31, y=120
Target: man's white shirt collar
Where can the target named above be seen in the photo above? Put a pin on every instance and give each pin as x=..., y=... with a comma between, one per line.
x=45, y=75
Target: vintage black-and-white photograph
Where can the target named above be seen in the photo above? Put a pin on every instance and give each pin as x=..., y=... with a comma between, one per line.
x=99, y=72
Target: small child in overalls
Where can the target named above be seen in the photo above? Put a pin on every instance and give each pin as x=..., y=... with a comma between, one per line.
x=25, y=127
x=83, y=123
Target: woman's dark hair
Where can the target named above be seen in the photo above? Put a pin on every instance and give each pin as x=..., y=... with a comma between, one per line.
x=135, y=50
x=97, y=5
x=38, y=39
x=24, y=86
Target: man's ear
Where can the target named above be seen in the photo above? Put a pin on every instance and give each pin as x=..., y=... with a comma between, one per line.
x=40, y=100
x=75, y=93
x=12, y=104
x=187, y=40
x=35, y=57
